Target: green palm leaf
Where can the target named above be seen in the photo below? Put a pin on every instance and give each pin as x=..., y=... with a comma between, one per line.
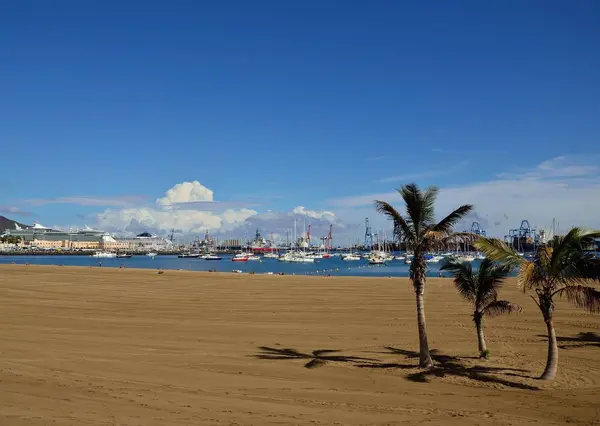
x=500, y=307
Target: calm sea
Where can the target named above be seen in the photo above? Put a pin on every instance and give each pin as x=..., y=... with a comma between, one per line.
x=333, y=266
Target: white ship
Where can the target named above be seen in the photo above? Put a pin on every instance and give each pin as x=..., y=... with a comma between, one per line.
x=104, y=255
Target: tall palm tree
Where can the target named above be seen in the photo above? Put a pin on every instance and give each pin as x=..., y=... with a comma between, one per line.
x=481, y=289
x=561, y=268
x=419, y=232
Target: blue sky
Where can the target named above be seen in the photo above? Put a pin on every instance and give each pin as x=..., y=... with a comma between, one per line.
x=274, y=105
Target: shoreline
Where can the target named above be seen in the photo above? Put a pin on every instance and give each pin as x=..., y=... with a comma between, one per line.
x=244, y=274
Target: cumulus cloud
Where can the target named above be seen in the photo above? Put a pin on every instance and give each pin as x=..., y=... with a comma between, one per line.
x=187, y=206
x=563, y=188
x=281, y=226
x=329, y=216
x=190, y=207
x=186, y=192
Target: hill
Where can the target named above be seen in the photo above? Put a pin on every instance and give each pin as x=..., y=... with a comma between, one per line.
x=6, y=223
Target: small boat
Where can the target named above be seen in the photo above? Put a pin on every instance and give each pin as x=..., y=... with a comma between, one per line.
x=350, y=257
x=151, y=254
x=211, y=257
x=271, y=255
x=253, y=257
x=376, y=261
x=240, y=257
x=124, y=255
x=236, y=271
x=104, y=255
x=314, y=256
x=188, y=255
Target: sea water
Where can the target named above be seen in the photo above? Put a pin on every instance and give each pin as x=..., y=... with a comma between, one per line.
x=330, y=266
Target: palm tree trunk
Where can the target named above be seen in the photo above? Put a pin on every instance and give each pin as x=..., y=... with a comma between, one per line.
x=419, y=266
x=480, y=338
x=552, y=360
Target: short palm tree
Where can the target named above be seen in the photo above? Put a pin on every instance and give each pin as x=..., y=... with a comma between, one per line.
x=419, y=231
x=481, y=289
x=561, y=268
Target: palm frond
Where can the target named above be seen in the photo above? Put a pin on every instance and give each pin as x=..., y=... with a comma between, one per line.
x=531, y=276
x=418, y=206
x=582, y=296
x=490, y=278
x=500, y=307
x=388, y=210
x=571, y=244
x=429, y=197
x=447, y=224
x=464, y=279
x=498, y=251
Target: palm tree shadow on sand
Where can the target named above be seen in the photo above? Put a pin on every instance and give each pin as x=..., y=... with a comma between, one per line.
x=583, y=339
x=316, y=358
x=445, y=365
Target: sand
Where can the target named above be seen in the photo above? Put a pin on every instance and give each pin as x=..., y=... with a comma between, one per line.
x=98, y=346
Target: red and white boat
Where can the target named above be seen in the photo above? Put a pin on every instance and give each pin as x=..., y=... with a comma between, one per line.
x=260, y=245
x=240, y=257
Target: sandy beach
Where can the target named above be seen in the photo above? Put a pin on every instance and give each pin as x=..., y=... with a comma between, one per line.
x=99, y=346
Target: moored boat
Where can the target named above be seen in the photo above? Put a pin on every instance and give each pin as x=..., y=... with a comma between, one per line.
x=104, y=255
x=188, y=255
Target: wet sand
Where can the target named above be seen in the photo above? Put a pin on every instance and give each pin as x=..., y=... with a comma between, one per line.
x=98, y=346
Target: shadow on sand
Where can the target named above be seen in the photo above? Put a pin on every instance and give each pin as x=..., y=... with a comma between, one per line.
x=315, y=358
x=445, y=365
x=583, y=339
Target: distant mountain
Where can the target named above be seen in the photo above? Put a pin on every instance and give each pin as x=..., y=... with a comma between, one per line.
x=6, y=223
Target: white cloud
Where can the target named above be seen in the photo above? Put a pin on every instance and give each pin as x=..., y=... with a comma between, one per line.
x=186, y=192
x=560, y=188
x=187, y=206
x=314, y=214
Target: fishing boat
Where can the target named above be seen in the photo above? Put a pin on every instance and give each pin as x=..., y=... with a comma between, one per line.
x=350, y=257
x=296, y=257
x=376, y=260
x=188, y=255
x=104, y=255
x=211, y=256
x=240, y=257
x=433, y=258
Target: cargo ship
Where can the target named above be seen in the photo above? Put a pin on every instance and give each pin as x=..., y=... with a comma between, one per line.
x=261, y=245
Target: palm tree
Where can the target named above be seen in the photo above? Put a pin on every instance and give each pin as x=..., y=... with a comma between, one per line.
x=561, y=268
x=419, y=232
x=481, y=289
